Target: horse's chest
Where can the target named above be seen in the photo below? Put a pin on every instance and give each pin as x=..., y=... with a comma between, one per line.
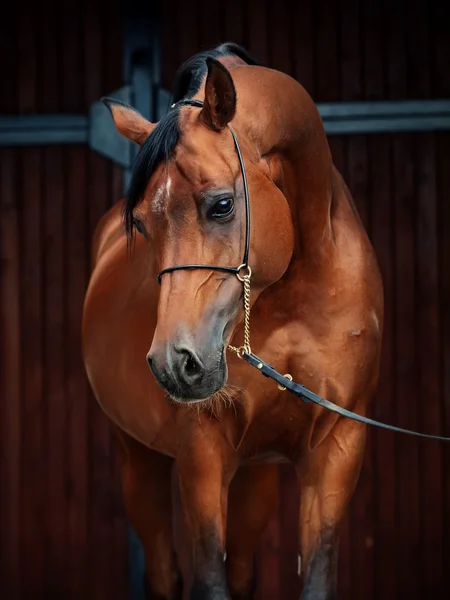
x=280, y=430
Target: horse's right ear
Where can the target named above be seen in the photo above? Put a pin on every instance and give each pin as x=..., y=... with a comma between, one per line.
x=129, y=122
x=219, y=105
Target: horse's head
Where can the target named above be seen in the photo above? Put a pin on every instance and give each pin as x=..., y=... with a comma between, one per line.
x=187, y=199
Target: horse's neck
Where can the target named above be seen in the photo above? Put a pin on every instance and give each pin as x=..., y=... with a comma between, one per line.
x=310, y=203
x=287, y=128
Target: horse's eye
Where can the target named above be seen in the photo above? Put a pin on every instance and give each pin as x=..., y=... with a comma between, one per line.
x=139, y=226
x=222, y=208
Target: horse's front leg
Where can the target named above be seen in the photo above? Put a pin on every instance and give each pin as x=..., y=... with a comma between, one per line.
x=328, y=475
x=205, y=468
x=146, y=484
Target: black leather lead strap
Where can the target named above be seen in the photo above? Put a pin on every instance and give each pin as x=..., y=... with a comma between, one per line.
x=307, y=396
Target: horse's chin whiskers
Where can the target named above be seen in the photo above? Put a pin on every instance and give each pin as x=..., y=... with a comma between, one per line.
x=223, y=398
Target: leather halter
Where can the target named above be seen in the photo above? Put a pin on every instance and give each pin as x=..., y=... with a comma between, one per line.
x=244, y=265
x=284, y=381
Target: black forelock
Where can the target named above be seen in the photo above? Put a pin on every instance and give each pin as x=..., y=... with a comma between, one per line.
x=161, y=143
x=158, y=147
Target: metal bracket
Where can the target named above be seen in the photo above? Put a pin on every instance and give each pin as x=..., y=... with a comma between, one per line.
x=37, y=130
x=348, y=118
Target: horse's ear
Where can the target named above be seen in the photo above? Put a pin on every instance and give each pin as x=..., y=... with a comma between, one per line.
x=220, y=96
x=129, y=122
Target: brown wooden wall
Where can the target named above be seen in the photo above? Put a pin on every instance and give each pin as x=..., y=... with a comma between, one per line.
x=396, y=541
x=62, y=529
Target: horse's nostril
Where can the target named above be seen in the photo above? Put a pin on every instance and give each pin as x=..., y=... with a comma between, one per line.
x=191, y=366
x=149, y=361
x=191, y=369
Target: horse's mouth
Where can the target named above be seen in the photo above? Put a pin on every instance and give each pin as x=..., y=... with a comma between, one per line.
x=210, y=385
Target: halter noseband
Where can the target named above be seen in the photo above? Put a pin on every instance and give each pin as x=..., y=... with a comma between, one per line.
x=244, y=267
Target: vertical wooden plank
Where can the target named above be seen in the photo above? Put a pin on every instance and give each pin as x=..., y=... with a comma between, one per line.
x=34, y=515
x=373, y=51
x=416, y=34
x=429, y=392
x=53, y=313
x=32, y=505
x=234, y=21
x=170, y=48
x=257, y=31
x=11, y=378
x=326, y=50
x=9, y=54
x=113, y=27
x=408, y=485
x=77, y=243
x=49, y=58
x=427, y=316
x=27, y=64
x=382, y=236
x=407, y=458
x=209, y=24
x=439, y=15
x=351, y=52
x=101, y=447
x=440, y=87
x=443, y=160
x=100, y=578
x=386, y=540
x=54, y=372
x=76, y=252
x=187, y=27
x=72, y=67
x=302, y=44
x=281, y=58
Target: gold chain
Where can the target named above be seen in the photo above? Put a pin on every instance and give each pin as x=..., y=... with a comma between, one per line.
x=246, y=347
x=246, y=283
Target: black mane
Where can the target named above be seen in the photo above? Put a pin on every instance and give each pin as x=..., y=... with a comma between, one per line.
x=161, y=143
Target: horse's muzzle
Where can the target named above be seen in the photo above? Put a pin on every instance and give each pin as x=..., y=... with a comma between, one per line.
x=185, y=374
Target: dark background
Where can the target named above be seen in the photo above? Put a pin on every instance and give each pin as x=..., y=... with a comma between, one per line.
x=63, y=533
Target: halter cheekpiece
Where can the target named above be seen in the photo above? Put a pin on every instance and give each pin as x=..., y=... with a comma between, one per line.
x=243, y=269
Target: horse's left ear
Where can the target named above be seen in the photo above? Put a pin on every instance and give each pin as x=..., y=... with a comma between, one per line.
x=219, y=105
x=129, y=122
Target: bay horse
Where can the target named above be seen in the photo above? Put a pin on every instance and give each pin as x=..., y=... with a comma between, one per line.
x=241, y=158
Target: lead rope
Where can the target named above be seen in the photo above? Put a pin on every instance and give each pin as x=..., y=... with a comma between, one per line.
x=286, y=382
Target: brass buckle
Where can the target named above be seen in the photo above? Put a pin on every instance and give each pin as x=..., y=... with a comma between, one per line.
x=282, y=387
x=247, y=275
